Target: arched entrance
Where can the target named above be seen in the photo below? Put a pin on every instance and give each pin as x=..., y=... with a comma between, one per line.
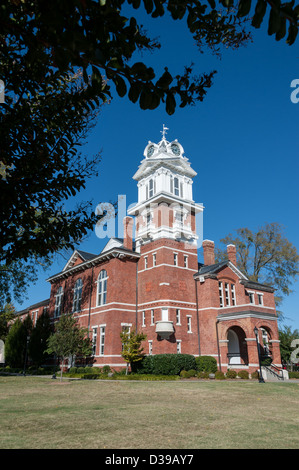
x=237, y=347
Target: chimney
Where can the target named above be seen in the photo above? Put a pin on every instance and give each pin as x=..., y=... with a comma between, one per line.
x=128, y=233
x=208, y=252
x=232, y=254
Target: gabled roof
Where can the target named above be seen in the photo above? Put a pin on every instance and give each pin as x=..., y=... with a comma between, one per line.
x=32, y=307
x=84, y=255
x=207, y=270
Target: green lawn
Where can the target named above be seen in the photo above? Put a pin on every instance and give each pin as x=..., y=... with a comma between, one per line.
x=41, y=413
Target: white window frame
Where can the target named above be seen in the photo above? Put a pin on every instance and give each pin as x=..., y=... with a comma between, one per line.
x=251, y=297
x=77, y=298
x=152, y=317
x=226, y=290
x=143, y=318
x=176, y=187
x=233, y=291
x=260, y=299
x=186, y=261
x=221, y=294
x=125, y=327
x=102, y=339
x=150, y=347
x=58, y=302
x=154, y=260
x=178, y=316
x=175, y=259
x=102, y=288
x=179, y=346
x=145, y=262
x=189, y=323
x=94, y=340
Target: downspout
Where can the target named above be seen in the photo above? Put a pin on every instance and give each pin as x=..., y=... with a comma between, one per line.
x=218, y=345
x=90, y=294
x=136, y=319
x=196, y=280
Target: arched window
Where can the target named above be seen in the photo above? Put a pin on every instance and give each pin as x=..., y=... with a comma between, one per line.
x=58, y=301
x=77, y=295
x=102, y=287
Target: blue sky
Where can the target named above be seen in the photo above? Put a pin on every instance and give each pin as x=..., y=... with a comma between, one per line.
x=242, y=140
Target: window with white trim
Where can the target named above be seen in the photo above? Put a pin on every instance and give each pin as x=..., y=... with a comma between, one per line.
x=226, y=286
x=154, y=259
x=152, y=317
x=150, y=348
x=125, y=329
x=151, y=188
x=185, y=261
x=145, y=262
x=143, y=318
x=102, y=340
x=175, y=259
x=233, y=294
x=189, y=319
x=178, y=346
x=77, y=295
x=94, y=340
x=176, y=186
x=251, y=297
x=221, y=293
x=102, y=288
x=178, y=316
x=260, y=299
x=58, y=302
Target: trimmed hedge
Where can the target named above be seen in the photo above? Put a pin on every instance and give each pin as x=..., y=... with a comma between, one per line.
x=243, y=374
x=165, y=364
x=206, y=364
x=231, y=374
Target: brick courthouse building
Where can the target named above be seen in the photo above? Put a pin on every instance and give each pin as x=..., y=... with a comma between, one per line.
x=156, y=285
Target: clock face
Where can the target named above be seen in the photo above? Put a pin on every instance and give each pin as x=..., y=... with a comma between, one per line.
x=175, y=149
x=150, y=151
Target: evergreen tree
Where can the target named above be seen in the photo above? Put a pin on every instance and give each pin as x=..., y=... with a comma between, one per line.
x=16, y=342
x=38, y=341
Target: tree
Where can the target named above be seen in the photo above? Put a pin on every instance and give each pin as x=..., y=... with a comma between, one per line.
x=17, y=275
x=69, y=339
x=38, y=340
x=286, y=336
x=16, y=342
x=265, y=256
x=48, y=109
x=132, y=350
x=7, y=313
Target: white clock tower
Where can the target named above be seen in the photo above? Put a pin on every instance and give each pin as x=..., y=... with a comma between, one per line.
x=165, y=207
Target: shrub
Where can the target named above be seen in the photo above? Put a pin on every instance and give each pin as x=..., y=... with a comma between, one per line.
x=73, y=370
x=184, y=374
x=243, y=374
x=90, y=376
x=219, y=375
x=203, y=375
x=231, y=374
x=106, y=369
x=206, y=364
x=165, y=364
x=294, y=375
x=255, y=375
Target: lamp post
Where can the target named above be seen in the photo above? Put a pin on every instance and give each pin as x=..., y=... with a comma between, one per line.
x=261, y=380
x=26, y=353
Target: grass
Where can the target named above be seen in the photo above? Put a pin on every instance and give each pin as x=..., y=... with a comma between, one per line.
x=40, y=413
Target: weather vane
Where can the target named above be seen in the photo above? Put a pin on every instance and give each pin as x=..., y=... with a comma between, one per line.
x=164, y=131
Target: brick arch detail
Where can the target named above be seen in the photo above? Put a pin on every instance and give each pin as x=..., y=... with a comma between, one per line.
x=241, y=324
